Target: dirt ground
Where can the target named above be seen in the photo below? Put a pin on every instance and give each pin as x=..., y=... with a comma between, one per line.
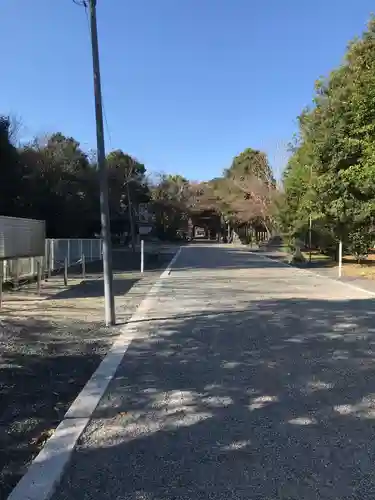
x=49, y=347
x=363, y=270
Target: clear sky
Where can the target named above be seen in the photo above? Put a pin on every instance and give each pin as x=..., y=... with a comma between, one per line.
x=187, y=84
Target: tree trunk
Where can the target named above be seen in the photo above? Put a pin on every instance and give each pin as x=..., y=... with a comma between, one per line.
x=267, y=229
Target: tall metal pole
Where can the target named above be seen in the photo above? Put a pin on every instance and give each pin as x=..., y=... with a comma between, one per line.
x=110, y=318
x=310, y=221
x=130, y=212
x=340, y=258
x=310, y=228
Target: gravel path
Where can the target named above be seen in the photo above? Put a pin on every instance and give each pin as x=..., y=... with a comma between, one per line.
x=247, y=380
x=49, y=348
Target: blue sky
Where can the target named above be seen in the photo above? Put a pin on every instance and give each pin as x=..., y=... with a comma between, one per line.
x=187, y=84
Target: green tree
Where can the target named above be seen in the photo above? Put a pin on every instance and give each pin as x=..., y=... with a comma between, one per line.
x=13, y=179
x=127, y=188
x=170, y=198
x=336, y=140
x=248, y=189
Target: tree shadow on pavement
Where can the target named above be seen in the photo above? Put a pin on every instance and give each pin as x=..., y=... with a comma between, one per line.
x=275, y=401
x=95, y=288
x=47, y=356
x=240, y=258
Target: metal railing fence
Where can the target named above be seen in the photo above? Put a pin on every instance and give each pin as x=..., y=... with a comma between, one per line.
x=56, y=251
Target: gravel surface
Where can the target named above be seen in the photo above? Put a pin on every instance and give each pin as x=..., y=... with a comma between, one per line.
x=49, y=347
x=247, y=380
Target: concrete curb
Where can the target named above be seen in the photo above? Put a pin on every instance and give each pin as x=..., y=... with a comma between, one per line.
x=46, y=470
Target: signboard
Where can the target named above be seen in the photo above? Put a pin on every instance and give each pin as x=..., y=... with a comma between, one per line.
x=145, y=230
x=21, y=237
x=199, y=232
x=145, y=213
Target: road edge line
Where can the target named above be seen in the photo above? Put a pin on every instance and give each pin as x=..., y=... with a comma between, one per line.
x=46, y=470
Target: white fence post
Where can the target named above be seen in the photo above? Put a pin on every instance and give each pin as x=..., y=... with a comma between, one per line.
x=1, y=282
x=340, y=259
x=142, y=256
x=46, y=257
x=52, y=250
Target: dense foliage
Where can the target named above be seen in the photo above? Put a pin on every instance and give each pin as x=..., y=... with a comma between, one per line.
x=329, y=178
x=243, y=196
x=56, y=181
x=330, y=175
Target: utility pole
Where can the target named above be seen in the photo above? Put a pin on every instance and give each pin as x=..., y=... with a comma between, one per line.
x=130, y=213
x=110, y=318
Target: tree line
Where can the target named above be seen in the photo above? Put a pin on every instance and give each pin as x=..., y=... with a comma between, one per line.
x=243, y=197
x=331, y=172
x=53, y=179
x=327, y=185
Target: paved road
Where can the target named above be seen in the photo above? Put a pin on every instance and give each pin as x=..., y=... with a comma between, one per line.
x=248, y=380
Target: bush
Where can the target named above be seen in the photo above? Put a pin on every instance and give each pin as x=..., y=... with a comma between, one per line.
x=326, y=242
x=360, y=242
